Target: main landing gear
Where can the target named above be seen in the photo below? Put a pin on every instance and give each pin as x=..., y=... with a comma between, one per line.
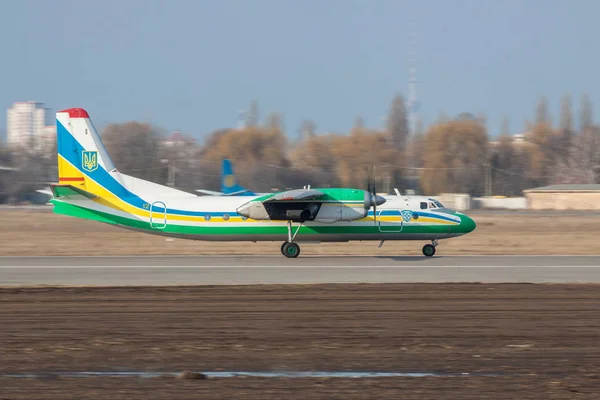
x=429, y=249
x=290, y=249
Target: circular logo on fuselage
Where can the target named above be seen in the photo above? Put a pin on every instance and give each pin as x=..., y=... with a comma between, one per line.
x=406, y=215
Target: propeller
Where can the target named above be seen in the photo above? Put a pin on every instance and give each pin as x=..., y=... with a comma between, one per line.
x=374, y=199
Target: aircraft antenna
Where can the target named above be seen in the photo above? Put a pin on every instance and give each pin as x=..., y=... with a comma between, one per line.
x=412, y=76
x=412, y=104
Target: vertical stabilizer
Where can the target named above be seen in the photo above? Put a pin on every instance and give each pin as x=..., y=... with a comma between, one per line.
x=82, y=158
x=229, y=185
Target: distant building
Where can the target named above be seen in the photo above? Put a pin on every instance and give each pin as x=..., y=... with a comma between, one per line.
x=48, y=138
x=177, y=139
x=564, y=197
x=518, y=140
x=26, y=125
x=179, y=146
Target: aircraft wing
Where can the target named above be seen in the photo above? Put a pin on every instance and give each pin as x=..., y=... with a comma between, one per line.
x=296, y=195
x=210, y=192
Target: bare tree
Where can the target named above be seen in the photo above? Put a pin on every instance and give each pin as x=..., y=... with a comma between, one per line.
x=542, y=116
x=455, y=158
x=134, y=149
x=566, y=131
x=274, y=121
x=252, y=117
x=307, y=129
x=584, y=161
x=586, y=119
x=397, y=122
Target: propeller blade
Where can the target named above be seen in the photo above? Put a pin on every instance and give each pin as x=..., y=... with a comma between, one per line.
x=375, y=212
x=374, y=196
x=374, y=181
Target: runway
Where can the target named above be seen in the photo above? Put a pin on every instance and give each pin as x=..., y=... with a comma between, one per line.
x=245, y=270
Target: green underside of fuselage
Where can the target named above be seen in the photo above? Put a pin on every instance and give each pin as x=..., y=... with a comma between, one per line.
x=338, y=229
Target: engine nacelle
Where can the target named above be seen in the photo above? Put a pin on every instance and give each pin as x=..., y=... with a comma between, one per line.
x=339, y=212
x=342, y=205
x=348, y=209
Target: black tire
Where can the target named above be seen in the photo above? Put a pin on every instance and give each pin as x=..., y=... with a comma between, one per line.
x=428, y=250
x=283, y=244
x=290, y=250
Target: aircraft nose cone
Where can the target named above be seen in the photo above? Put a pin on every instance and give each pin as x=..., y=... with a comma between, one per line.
x=467, y=224
x=244, y=210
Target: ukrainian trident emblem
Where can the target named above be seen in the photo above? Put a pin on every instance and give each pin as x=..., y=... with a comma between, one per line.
x=90, y=161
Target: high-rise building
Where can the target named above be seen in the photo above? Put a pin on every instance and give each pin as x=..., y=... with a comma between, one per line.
x=26, y=124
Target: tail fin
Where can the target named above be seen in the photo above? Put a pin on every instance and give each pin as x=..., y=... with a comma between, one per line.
x=229, y=186
x=83, y=161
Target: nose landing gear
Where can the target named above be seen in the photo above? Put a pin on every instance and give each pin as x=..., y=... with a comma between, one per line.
x=429, y=249
x=291, y=249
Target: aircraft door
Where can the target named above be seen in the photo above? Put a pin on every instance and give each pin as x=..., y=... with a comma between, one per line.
x=396, y=221
x=158, y=215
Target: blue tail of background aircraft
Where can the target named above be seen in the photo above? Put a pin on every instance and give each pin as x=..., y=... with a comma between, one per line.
x=229, y=185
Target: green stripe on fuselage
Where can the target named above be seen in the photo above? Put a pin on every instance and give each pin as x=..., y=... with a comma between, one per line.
x=261, y=228
x=81, y=212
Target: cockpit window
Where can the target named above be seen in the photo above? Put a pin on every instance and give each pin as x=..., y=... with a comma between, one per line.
x=423, y=206
x=433, y=204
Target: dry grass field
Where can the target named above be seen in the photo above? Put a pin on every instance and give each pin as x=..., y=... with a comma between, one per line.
x=40, y=232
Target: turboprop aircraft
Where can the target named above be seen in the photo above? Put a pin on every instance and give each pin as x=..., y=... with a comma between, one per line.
x=229, y=185
x=91, y=187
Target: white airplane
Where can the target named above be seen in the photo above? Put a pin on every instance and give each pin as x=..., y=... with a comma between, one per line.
x=91, y=187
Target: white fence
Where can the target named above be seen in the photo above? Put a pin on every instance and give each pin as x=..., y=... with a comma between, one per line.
x=464, y=202
x=456, y=201
x=508, y=203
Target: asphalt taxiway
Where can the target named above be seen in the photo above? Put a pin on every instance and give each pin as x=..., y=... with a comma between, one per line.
x=244, y=270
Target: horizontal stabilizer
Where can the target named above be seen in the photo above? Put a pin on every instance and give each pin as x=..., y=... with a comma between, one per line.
x=214, y=193
x=237, y=193
x=296, y=195
x=70, y=191
x=209, y=192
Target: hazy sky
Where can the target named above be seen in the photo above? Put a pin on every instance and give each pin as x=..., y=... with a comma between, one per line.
x=191, y=65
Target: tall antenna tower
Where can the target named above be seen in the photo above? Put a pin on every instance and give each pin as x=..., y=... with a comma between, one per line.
x=241, y=119
x=411, y=175
x=413, y=105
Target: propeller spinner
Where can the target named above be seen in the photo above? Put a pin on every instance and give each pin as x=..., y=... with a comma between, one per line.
x=374, y=199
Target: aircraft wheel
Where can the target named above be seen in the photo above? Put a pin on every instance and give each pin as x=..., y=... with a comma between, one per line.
x=282, y=245
x=428, y=250
x=290, y=250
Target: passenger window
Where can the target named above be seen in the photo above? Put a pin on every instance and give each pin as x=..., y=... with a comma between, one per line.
x=423, y=206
